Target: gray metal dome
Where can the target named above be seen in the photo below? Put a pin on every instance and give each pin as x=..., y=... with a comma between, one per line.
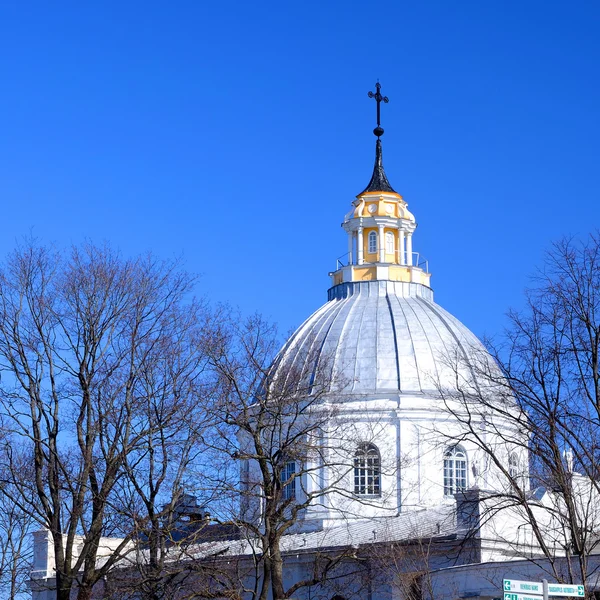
x=385, y=337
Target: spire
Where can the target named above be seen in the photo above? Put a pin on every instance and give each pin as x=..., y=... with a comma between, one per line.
x=380, y=231
x=379, y=182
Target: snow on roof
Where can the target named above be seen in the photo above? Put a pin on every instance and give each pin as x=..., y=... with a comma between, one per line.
x=417, y=524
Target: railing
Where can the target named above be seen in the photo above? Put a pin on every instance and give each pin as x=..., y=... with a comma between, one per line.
x=340, y=260
x=422, y=263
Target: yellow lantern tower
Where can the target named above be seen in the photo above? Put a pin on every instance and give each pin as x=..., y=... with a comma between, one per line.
x=380, y=229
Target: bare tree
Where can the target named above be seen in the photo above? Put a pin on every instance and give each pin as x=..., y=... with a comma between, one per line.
x=16, y=557
x=158, y=470
x=275, y=433
x=98, y=369
x=542, y=411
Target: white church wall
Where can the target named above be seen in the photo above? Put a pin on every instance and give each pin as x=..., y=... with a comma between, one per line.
x=412, y=434
x=381, y=430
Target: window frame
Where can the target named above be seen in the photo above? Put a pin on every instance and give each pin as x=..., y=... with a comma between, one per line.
x=288, y=490
x=372, y=242
x=455, y=471
x=390, y=242
x=367, y=471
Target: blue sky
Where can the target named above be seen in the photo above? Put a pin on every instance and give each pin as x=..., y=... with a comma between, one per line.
x=236, y=134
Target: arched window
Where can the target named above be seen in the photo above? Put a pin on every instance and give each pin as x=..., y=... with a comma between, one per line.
x=389, y=243
x=455, y=470
x=367, y=470
x=289, y=488
x=372, y=242
x=513, y=465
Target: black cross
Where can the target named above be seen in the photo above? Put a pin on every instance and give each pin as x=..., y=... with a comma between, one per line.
x=378, y=98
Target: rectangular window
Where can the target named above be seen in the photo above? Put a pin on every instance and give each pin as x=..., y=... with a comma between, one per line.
x=389, y=243
x=372, y=242
x=448, y=477
x=461, y=475
x=455, y=471
x=367, y=471
x=289, y=489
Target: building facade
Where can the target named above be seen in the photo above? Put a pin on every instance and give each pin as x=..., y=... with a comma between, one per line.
x=406, y=495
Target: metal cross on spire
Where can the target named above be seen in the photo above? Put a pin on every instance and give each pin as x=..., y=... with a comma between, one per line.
x=379, y=182
x=378, y=131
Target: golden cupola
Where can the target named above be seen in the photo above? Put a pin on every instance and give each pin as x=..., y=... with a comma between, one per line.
x=380, y=229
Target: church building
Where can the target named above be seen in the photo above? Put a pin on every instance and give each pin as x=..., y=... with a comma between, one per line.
x=412, y=497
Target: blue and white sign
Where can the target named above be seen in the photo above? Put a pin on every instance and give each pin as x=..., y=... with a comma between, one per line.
x=523, y=587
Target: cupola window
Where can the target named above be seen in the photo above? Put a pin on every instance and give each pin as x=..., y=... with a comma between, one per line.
x=372, y=242
x=389, y=243
x=289, y=481
x=455, y=470
x=367, y=471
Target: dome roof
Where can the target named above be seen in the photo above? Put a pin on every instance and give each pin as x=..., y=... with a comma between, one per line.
x=385, y=336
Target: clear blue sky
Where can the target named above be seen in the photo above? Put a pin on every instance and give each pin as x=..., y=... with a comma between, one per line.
x=237, y=133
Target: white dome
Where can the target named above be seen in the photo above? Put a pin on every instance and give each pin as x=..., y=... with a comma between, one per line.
x=385, y=337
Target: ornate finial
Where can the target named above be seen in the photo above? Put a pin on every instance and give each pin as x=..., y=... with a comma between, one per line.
x=378, y=131
x=379, y=182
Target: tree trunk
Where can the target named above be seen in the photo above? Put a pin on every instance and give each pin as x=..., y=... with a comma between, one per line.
x=266, y=582
x=277, y=573
x=84, y=593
